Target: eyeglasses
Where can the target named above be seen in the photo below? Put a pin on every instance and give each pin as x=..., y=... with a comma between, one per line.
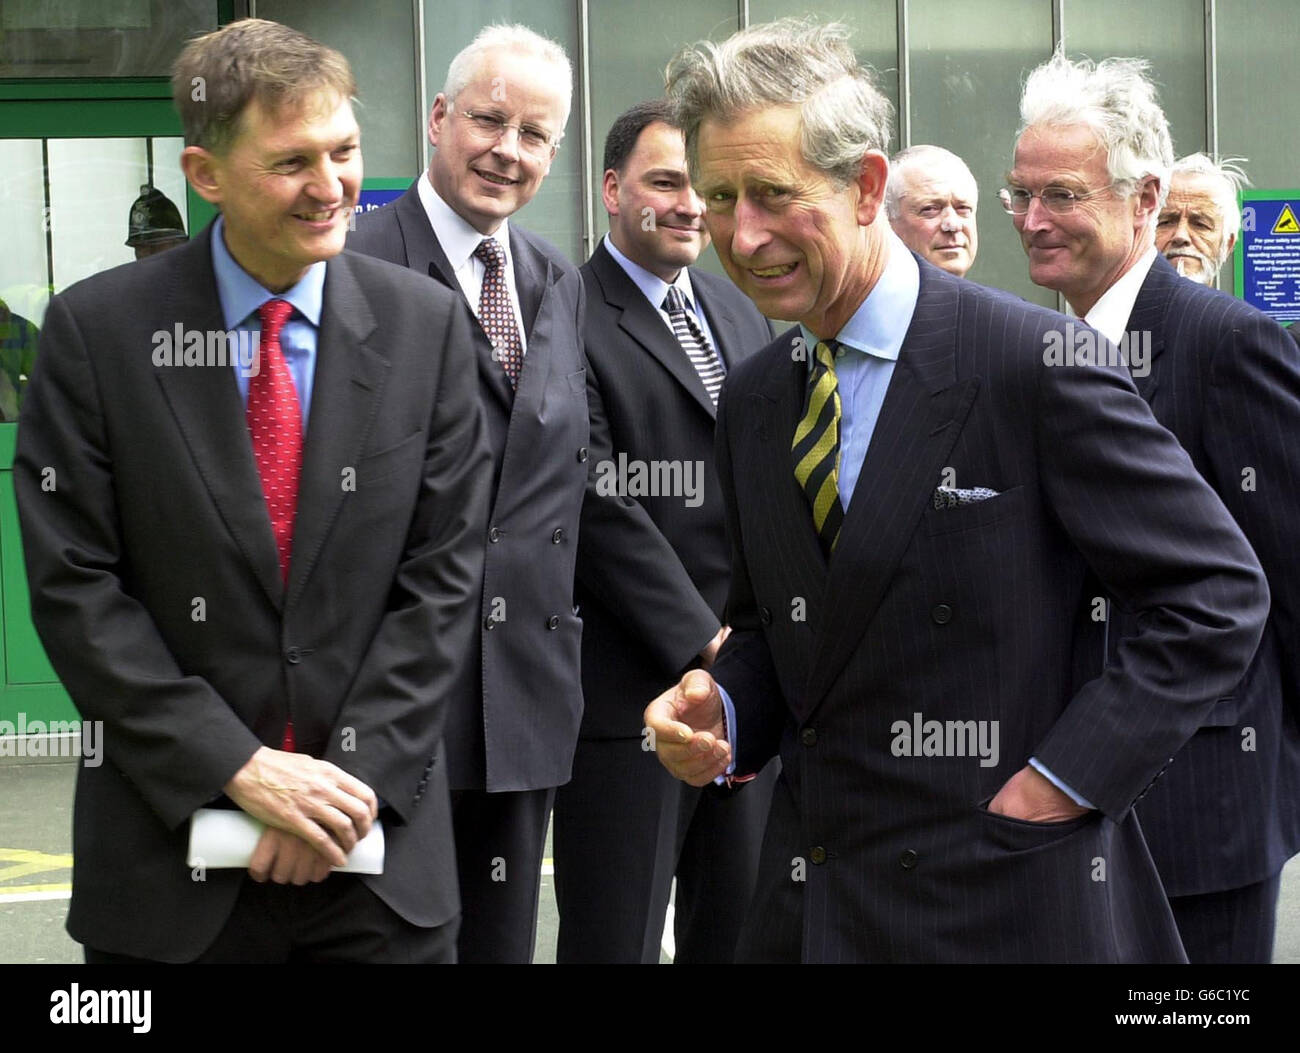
x=490, y=127
x=1056, y=199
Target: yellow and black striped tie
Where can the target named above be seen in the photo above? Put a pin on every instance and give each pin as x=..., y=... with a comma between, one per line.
x=816, y=447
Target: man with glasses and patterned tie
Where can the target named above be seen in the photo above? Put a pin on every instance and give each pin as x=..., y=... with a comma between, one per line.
x=495, y=128
x=660, y=337
x=1086, y=190
x=915, y=499
x=258, y=571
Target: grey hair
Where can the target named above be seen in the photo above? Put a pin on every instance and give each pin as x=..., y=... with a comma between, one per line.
x=788, y=62
x=918, y=154
x=515, y=38
x=1117, y=100
x=1231, y=178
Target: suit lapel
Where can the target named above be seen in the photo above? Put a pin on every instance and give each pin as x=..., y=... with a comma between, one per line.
x=1147, y=320
x=643, y=323
x=722, y=323
x=345, y=395
x=425, y=255
x=211, y=417
x=533, y=281
x=775, y=410
x=923, y=412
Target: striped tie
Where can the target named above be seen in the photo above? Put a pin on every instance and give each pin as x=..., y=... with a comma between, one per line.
x=816, y=447
x=694, y=342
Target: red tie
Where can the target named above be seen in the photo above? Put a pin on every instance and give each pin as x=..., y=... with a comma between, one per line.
x=275, y=426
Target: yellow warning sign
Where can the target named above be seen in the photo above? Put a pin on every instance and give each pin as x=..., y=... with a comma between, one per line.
x=1286, y=222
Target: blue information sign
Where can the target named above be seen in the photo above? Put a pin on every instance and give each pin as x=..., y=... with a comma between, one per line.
x=369, y=200
x=1268, y=253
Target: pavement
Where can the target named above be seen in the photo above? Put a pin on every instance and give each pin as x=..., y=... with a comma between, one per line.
x=36, y=874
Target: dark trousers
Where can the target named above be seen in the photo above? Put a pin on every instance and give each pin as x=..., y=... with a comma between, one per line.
x=1232, y=927
x=623, y=827
x=335, y=920
x=500, y=839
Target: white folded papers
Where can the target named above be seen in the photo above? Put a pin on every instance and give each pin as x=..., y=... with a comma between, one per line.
x=223, y=837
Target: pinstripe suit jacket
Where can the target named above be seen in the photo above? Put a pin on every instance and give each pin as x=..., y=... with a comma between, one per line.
x=970, y=614
x=1225, y=379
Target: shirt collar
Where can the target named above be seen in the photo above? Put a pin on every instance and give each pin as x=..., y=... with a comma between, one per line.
x=654, y=288
x=879, y=326
x=1110, y=314
x=241, y=294
x=457, y=238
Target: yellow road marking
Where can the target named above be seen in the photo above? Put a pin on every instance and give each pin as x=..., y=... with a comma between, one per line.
x=24, y=861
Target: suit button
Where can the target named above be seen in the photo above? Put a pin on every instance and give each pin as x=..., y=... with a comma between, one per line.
x=558, y=536
x=553, y=622
x=818, y=854
x=489, y=624
x=293, y=656
x=582, y=455
x=907, y=860
x=942, y=614
x=809, y=736
x=494, y=535
x=765, y=616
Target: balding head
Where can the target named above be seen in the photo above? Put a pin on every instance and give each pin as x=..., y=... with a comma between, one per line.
x=931, y=200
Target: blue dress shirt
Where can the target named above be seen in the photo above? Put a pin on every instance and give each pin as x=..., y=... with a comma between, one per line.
x=241, y=295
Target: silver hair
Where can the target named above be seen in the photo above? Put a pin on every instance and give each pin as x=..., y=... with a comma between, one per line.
x=918, y=154
x=516, y=38
x=1230, y=177
x=792, y=61
x=1117, y=100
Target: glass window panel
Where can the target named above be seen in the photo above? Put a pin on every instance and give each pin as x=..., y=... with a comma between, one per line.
x=630, y=47
x=167, y=174
x=966, y=74
x=24, y=267
x=93, y=183
x=1170, y=35
x=24, y=285
x=98, y=38
x=875, y=34
x=378, y=39
x=556, y=212
x=1258, y=75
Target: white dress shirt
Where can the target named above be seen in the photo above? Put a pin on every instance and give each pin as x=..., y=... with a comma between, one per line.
x=459, y=240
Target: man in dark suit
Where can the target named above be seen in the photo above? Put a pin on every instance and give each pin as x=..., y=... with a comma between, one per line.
x=1225, y=379
x=258, y=571
x=514, y=722
x=914, y=498
x=652, y=403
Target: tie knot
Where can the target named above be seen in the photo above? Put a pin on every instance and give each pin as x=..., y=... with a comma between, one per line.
x=674, y=301
x=274, y=313
x=826, y=351
x=491, y=253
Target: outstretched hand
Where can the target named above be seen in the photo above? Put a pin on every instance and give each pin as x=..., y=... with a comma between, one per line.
x=687, y=729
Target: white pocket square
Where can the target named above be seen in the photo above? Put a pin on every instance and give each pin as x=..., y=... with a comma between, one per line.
x=952, y=497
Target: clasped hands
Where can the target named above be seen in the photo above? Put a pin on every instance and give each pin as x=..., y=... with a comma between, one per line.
x=315, y=813
x=690, y=739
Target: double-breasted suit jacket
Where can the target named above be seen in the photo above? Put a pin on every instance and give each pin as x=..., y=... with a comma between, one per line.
x=515, y=719
x=879, y=845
